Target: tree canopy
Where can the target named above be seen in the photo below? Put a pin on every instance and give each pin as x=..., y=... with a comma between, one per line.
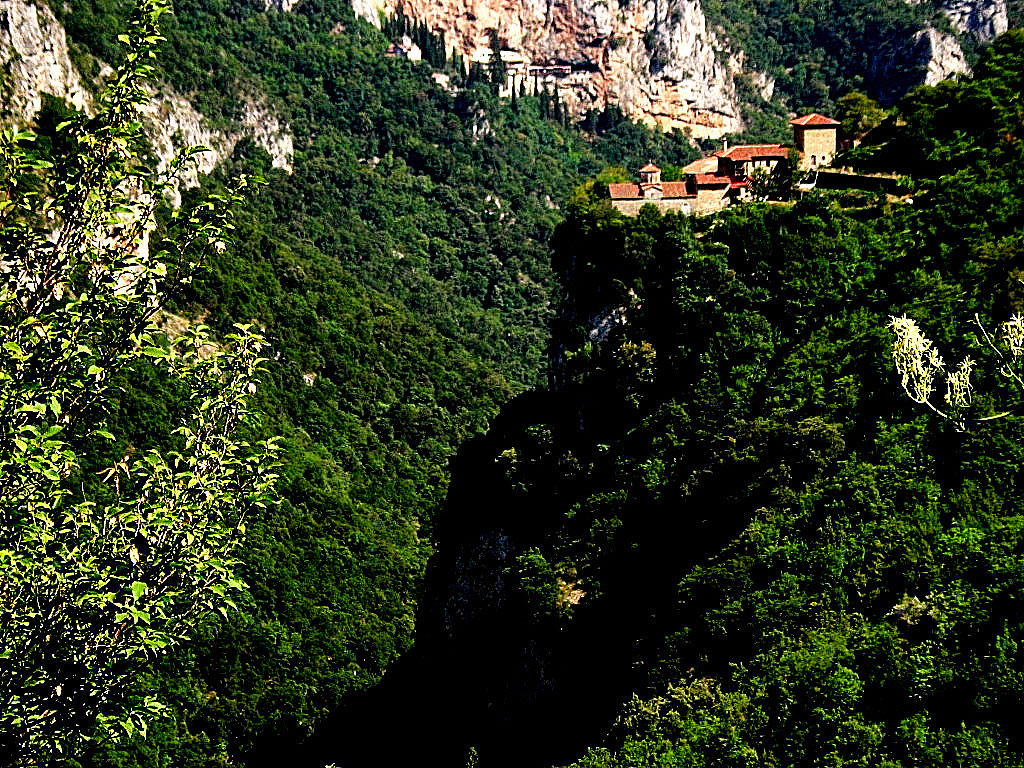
x=719, y=535
x=104, y=571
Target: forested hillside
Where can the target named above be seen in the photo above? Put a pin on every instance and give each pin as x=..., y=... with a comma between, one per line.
x=402, y=276
x=816, y=52
x=820, y=50
x=719, y=536
x=726, y=522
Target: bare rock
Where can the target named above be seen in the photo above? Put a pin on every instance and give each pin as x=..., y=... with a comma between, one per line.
x=982, y=20
x=940, y=55
x=172, y=124
x=34, y=60
x=655, y=59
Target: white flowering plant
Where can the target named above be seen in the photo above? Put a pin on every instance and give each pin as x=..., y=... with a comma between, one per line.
x=919, y=365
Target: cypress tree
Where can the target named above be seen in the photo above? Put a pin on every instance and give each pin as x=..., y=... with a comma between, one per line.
x=498, y=68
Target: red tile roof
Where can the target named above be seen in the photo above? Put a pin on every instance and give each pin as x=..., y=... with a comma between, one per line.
x=703, y=165
x=711, y=180
x=675, y=189
x=650, y=168
x=669, y=190
x=623, y=191
x=814, y=119
x=751, y=151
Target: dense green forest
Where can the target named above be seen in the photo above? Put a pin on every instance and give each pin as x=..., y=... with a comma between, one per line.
x=406, y=265
x=718, y=535
x=725, y=536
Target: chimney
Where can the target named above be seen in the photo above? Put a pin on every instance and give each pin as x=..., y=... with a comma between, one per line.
x=725, y=144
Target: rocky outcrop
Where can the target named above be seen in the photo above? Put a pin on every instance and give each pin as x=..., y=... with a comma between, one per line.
x=369, y=10
x=172, y=123
x=982, y=20
x=763, y=83
x=34, y=59
x=655, y=59
x=939, y=55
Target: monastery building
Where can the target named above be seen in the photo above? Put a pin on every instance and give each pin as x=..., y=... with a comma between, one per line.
x=714, y=182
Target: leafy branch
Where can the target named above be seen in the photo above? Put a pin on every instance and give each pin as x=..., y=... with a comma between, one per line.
x=98, y=577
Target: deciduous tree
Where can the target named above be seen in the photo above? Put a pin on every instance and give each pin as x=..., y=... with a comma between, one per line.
x=99, y=574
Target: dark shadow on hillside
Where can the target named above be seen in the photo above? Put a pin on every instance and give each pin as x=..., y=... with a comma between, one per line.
x=483, y=674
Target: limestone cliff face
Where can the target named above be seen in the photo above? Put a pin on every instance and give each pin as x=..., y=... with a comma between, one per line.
x=940, y=55
x=172, y=123
x=655, y=59
x=34, y=59
x=982, y=20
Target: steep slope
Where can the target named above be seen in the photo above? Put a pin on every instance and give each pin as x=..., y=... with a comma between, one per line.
x=402, y=274
x=939, y=54
x=981, y=20
x=696, y=66
x=36, y=61
x=974, y=24
x=656, y=60
x=726, y=522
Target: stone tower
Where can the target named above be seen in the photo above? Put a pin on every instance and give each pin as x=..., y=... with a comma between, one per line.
x=817, y=138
